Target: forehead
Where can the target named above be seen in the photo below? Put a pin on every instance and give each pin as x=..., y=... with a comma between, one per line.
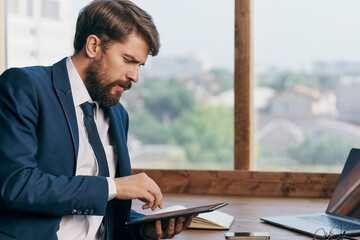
x=134, y=45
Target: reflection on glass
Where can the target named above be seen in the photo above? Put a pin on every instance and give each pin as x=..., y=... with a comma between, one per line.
x=307, y=79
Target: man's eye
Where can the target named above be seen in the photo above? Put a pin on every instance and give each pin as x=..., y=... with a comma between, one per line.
x=128, y=60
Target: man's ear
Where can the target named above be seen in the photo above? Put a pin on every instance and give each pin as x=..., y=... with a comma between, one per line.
x=92, y=46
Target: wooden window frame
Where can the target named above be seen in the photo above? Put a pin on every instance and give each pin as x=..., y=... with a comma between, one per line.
x=243, y=181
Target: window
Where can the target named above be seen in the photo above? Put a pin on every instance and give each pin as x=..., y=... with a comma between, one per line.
x=306, y=58
x=30, y=8
x=240, y=181
x=181, y=111
x=50, y=9
x=35, y=39
x=14, y=6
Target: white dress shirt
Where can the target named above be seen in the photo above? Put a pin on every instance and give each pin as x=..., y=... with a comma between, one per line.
x=85, y=227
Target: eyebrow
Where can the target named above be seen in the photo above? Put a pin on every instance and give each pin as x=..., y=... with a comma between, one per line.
x=133, y=59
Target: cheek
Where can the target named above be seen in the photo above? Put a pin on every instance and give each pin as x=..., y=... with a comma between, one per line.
x=108, y=75
x=112, y=63
x=115, y=67
x=116, y=72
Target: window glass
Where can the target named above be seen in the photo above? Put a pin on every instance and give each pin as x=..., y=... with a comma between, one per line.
x=307, y=80
x=50, y=9
x=14, y=6
x=34, y=38
x=181, y=111
x=30, y=8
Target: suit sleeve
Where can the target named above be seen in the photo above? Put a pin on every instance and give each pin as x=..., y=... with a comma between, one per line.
x=23, y=186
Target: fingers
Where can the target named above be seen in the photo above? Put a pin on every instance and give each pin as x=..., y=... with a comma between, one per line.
x=179, y=225
x=152, y=201
x=166, y=230
x=151, y=193
x=170, y=231
x=188, y=220
x=158, y=202
x=158, y=229
x=139, y=186
x=148, y=199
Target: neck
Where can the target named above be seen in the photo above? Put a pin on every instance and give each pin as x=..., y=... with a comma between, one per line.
x=80, y=62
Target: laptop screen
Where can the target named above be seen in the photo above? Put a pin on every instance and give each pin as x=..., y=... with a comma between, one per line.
x=345, y=200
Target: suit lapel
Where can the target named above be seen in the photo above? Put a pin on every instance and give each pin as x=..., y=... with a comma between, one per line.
x=62, y=89
x=119, y=133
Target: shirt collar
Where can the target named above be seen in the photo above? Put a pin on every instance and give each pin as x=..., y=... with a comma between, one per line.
x=79, y=91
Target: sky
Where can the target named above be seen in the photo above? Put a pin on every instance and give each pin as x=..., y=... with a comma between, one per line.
x=200, y=28
x=296, y=33
x=286, y=33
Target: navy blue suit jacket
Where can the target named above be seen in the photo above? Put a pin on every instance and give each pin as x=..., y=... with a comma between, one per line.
x=38, y=151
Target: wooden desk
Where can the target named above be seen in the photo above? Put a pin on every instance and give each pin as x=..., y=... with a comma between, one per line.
x=247, y=211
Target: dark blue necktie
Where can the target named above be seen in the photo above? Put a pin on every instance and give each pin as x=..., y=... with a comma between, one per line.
x=94, y=138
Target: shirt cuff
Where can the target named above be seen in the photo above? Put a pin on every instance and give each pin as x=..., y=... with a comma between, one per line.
x=112, y=188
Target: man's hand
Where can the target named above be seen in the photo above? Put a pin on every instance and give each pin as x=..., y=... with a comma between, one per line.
x=169, y=230
x=139, y=186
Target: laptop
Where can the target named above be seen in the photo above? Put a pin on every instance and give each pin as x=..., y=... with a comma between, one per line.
x=343, y=211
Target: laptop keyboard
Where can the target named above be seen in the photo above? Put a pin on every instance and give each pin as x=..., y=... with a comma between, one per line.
x=331, y=222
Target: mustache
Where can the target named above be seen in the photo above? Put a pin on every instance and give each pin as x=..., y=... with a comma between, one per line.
x=126, y=85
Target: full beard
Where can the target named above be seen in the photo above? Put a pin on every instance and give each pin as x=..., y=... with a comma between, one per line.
x=95, y=82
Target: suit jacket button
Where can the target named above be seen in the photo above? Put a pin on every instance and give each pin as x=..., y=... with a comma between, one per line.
x=79, y=212
x=86, y=211
x=91, y=211
x=73, y=211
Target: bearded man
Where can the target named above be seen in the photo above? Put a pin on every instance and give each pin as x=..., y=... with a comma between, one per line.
x=64, y=164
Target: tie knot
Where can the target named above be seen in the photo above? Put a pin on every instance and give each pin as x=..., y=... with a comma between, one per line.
x=88, y=109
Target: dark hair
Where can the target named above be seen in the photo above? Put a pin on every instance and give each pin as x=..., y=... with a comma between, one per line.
x=114, y=20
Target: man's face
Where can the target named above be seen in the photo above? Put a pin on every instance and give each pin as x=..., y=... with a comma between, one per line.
x=112, y=72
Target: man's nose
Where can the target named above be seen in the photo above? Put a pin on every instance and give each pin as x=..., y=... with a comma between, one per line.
x=133, y=74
